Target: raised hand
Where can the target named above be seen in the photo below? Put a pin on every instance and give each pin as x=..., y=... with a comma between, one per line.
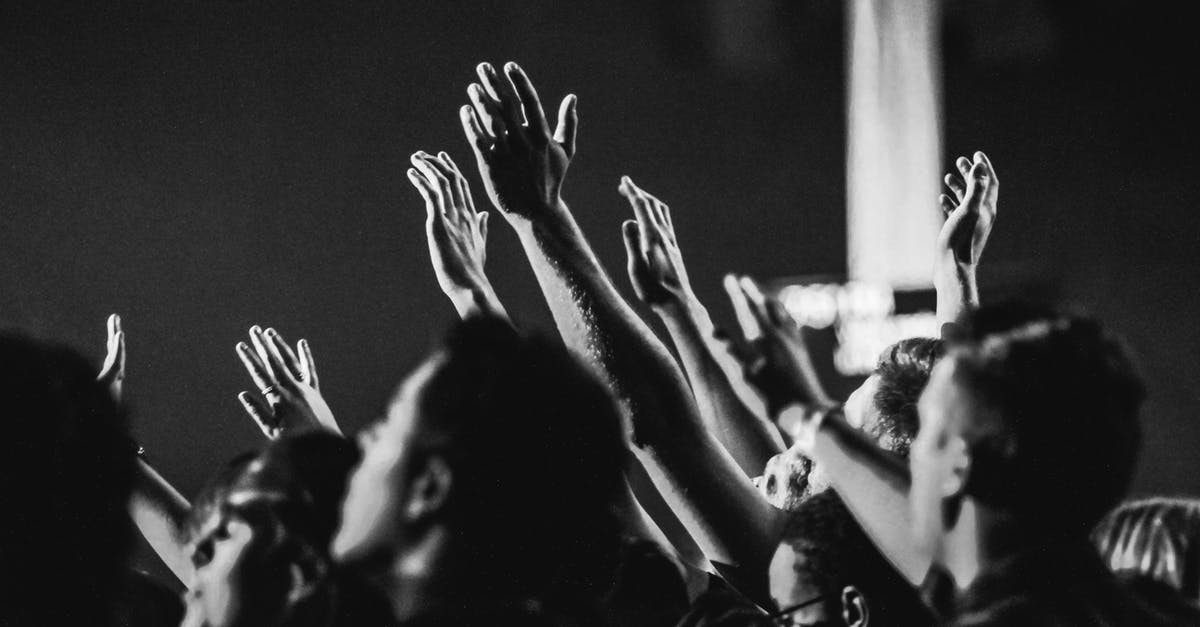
x=971, y=212
x=969, y=215
x=655, y=263
x=287, y=382
x=522, y=164
x=773, y=351
x=112, y=373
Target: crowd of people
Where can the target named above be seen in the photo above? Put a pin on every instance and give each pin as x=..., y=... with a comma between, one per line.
x=975, y=478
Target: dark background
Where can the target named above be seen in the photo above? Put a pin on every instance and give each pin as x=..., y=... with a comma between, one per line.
x=199, y=167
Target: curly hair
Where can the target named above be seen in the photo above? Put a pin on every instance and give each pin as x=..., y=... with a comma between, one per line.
x=903, y=370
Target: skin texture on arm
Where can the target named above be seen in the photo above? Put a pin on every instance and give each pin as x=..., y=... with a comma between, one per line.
x=158, y=510
x=660, y=280
x=457, y=236
x=523, y=165
x=969, y=216
x=872, y=482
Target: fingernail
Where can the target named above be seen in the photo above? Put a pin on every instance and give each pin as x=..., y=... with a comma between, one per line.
x=241, y=346
x=443, y=155
x=271, y=332
x=511, y=66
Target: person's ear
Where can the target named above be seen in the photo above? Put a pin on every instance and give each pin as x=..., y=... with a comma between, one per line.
x=854, y=607
x=429, y=490
x=957, y=469
x=307, y=571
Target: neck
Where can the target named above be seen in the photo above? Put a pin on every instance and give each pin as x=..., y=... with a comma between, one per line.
x=416, y=582
x=980, y=537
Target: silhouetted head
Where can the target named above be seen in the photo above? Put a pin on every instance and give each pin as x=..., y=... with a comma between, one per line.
x=66, y=472
x=1034, y=415
x=508, y=448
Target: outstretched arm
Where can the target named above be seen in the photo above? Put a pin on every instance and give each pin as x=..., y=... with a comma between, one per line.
x=523, y=165
x=158, y=510
x=660, y=280
x=873, y=482
x=969, y=215
x=457, y=235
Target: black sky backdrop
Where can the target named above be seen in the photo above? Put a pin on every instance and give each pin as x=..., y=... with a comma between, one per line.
x=199, y=167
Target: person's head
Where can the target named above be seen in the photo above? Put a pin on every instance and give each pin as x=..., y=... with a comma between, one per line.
x=66, y=472
x=829, y=570
x=1157, y=539
x=1034, y=416
x=504, y=448
x=884, y=407
x=260, y=534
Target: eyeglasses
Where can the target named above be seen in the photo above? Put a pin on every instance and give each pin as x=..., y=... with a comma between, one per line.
x=783, y=617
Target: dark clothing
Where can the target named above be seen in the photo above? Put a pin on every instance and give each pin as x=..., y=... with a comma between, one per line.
x=722, y=606
x=528, y=613
x=145, y=602
x=649, y=591
x=1059, y=586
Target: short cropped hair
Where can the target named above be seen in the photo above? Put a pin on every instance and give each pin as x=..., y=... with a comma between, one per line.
x=903, y=371
x=537, y=454
x=1060, y=438
x=838, y=554
x=66, y=473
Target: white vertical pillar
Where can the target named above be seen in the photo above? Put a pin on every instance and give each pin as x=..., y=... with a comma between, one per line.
x=893, y=140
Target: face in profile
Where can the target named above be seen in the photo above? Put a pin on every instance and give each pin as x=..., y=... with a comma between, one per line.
x=236, y=580
x=372, y=513
x=936, y=452
x=789, y=478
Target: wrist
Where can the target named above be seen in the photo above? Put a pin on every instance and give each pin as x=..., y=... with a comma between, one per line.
x=802, y=422
x=471, y=299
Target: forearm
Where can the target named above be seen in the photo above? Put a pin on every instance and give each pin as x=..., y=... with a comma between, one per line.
x=695, y=475
x=874, y=485
x=749, y=437
x=160, y=513
x=957, y=291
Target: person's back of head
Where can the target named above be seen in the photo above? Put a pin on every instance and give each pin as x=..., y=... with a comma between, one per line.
x=902, y=371
x=828, y=565
x=289, y=495
x=537, y=455
x=66, y=472
x=1057, y=437
x=1154, y=538
x=492, y=479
